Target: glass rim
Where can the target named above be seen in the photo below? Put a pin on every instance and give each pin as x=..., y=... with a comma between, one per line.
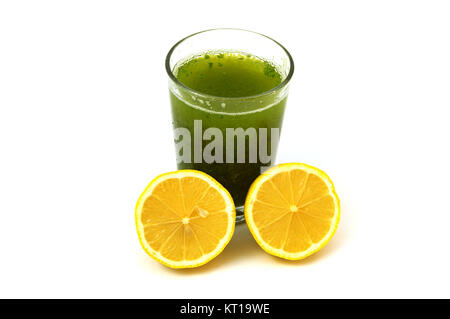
x=274, y=89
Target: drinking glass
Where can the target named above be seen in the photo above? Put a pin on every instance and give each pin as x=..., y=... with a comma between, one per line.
x=248, y=128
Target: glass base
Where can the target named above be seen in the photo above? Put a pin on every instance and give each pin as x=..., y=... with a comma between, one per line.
x=240, y=215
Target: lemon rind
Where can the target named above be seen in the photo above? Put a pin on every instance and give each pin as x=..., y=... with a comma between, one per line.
x=230, y=210
x=251, y=199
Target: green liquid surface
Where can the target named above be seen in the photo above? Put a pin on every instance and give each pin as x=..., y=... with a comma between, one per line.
x=228, y=74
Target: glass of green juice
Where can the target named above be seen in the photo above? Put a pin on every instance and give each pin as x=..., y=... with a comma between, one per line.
x=228, y=90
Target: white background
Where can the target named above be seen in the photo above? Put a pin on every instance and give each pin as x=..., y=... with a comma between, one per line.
x=85, y=125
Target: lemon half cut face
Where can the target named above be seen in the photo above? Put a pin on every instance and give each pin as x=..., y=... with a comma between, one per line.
x=292, y=210
x=185, y=218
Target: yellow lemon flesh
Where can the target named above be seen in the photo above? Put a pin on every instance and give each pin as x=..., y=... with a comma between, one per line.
x=292, y=210
x=185, y=218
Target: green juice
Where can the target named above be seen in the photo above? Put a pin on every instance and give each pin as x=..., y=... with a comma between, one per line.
x=228, y=90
